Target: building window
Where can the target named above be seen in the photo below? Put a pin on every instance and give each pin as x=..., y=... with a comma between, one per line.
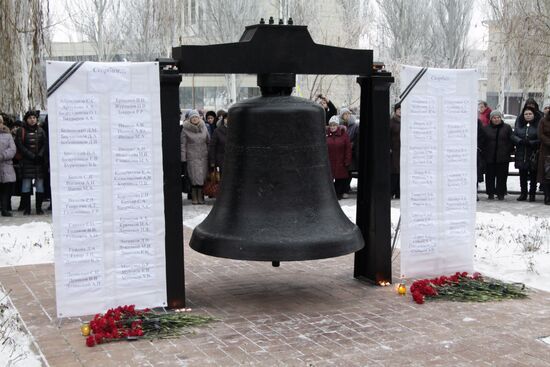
x=191, y=12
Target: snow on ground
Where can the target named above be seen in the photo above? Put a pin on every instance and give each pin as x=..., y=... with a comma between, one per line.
x=514, y=248
x=15, y=341
x=29, y=243
x=509, y=247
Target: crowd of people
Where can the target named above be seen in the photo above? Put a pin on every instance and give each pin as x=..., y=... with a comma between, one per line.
x=24, y=153
x=528, y=141
x=202, y=150
x=203, y=146
x=24, y=162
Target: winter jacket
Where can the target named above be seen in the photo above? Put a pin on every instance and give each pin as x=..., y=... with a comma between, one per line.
x=32, y=143
x=544, y=151
x=524, y=149
x=211, y=128
x=395, y=143
x=216, y=148
x=194, y=150
x=7, y=152
x=538, y=113
x=339, y=152
x=498, y=143
x=480, y=145
x=352, y=129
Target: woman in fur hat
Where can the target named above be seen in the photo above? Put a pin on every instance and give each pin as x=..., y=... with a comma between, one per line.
x=32, y=143
x=194, y=154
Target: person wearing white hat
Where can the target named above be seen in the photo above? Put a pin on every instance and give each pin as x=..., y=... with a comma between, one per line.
x=194, y=154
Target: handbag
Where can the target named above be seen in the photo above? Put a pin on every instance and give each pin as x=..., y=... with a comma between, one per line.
x=212, y=184
x=185, y=184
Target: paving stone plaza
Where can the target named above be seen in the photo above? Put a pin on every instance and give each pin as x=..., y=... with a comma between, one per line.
x=311, y=313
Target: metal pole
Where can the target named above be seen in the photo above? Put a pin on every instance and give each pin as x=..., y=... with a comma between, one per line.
x=373, y=262
x=170, y=111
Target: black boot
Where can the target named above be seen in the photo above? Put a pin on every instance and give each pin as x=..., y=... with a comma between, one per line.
x=546, y=193
x=5, y=206
x=39, y=200
x=531, y=197
x=25, y=203
x=522, y=197
x=21, y=203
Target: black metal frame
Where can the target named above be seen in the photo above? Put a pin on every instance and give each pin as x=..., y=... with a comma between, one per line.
x=266, y=48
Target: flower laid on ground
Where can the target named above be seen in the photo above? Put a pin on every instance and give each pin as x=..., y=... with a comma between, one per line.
x=463, y=287
x=127, y=323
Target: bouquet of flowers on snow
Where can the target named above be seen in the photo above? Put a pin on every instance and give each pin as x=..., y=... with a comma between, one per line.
x=127, y=323
x=463, y=287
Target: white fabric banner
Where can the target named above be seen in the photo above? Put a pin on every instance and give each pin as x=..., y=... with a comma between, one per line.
x=107, y=187
x=438, y=172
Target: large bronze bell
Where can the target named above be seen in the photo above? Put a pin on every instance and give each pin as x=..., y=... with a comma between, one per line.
x=277, y=200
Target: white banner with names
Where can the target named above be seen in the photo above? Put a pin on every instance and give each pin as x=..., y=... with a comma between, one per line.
x=107, y=187
x=438, y=172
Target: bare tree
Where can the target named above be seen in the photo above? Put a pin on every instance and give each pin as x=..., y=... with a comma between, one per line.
x=100, y=22
x=223, y=22
x=22, y=45
x=451, y=27
x=406, y=29
x=405, y=34
x=150, y=28
x=522, y=36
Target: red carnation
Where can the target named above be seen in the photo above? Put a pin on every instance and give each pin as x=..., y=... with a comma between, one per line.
x=418, y=297
x=90, y=341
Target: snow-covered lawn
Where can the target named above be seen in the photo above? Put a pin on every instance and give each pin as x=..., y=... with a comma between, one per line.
x=15, y=342
x=29, y=243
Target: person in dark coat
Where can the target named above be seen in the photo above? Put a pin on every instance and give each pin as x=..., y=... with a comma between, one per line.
x=328, y=106
x=7, y=173
x=496, y=150
x=32, y=143
x=526, y=140
x=210, y=119
x=216, y=147
x=347, y=119
x=339, y=154
x=543, y=177
x=530, y=102
x=480, y=144
x=395, y=150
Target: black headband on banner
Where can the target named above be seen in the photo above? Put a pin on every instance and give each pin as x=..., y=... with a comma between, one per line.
x=66, y=75
x=411, y=85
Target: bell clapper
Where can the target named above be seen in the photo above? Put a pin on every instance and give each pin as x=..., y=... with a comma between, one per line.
x=275, y=264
